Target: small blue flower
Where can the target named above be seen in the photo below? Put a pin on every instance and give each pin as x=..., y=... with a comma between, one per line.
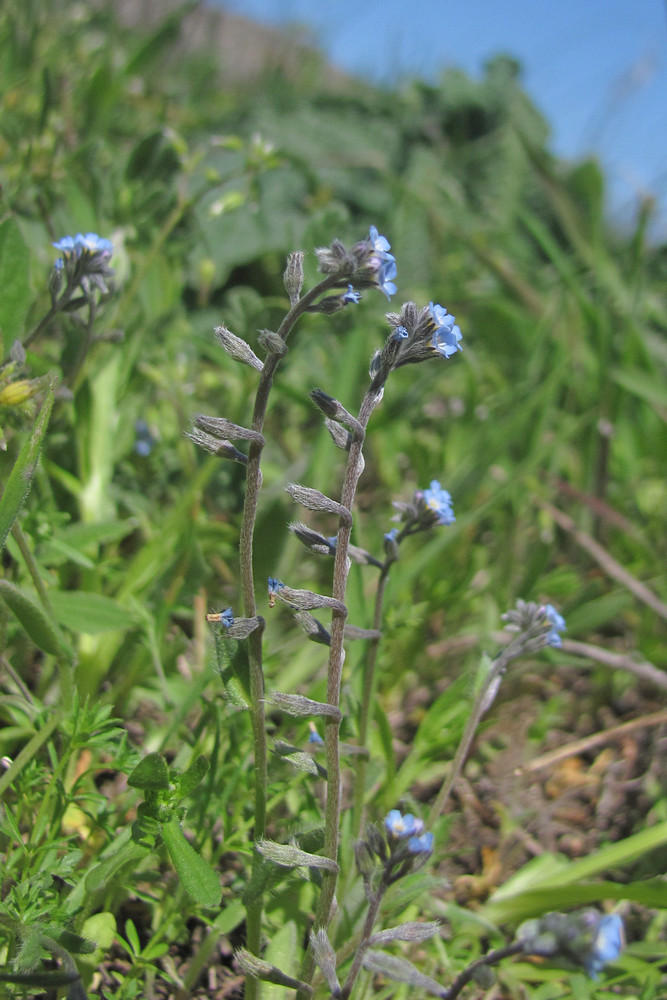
x=225, y=618
x=400, y=333
x=422, y=844
x=144, y=440
x=390, y=536
x=447, y=334
x=351, y=296
x=440, y=502
x=275, y=585
x=608, y=943
x=314, y=735
x=91, y=243
x=386, y=275
x=66, y=245
x=558, y=625
x=380, y=243
x=400, y=826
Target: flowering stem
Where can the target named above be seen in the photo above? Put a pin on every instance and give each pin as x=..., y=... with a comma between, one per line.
x=334, y=678
x=253, y=481
x=367, y=699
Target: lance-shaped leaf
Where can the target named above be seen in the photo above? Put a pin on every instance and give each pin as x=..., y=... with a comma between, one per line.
x=237, y=348
x=39, y=625
x=314, y=500
x=299, y=705
x=196, y=876
x=313, y=628
x=256, y=967
x=413, y=930
x=195, y=774
x=401, y=971
x=220, y=427
x=20, y=478
x=288, y=856
x=306, y=600
x=325, y=957
x=313, y=540
x=298, y=759
x=214, y=445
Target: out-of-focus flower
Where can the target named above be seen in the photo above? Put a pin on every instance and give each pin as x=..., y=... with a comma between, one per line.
x=399, y=826
x=314, y=735
x=225, y=617
x=440, y=502
x=557, y=625
x=350, y=296
x=608, y=944
x=422, y=844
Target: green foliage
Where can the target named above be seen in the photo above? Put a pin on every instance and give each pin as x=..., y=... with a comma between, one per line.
x=112, y=558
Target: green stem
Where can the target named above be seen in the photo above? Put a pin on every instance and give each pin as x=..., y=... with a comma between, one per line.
x=367, y=700
x=253, y=482
x=334, y=679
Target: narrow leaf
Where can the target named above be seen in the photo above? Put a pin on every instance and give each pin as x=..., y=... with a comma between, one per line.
x=41, y=628
x=401, y=971
x=291, y=857
x=199, y=880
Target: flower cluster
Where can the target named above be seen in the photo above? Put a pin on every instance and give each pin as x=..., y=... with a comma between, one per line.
x=586, y=938
x=84, y=263
x=427, y=509
x=408, y=828
x=368, y=264
x=536, y=625
x=416, y=335
x=558, y=625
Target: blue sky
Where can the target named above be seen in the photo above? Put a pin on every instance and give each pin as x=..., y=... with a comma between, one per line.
x=597, y=69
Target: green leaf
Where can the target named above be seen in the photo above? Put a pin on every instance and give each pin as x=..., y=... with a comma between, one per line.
x=20, y=478
x=41, y=628
x=89, y=613
x=189, y=780
x=14, y=282
x=151, y=773
x=100, y=876
x=199, y=880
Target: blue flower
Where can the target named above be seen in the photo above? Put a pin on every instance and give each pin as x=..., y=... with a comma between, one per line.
x=382, y=262
x=400, y=333
x=66, y=245
x=386, y=275
x=225, y=618
x=380, y=243
x=351, y=296
x=447, y=334
x=440, y=502
x=608, y=943
x=558, y=625
x=390, y=536
x=422, y=844
x=400, y=826
x=275, y=585
x=314, y=735
x=84, y=243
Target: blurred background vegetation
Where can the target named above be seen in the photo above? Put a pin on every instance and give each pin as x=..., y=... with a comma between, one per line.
x=205, y=165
